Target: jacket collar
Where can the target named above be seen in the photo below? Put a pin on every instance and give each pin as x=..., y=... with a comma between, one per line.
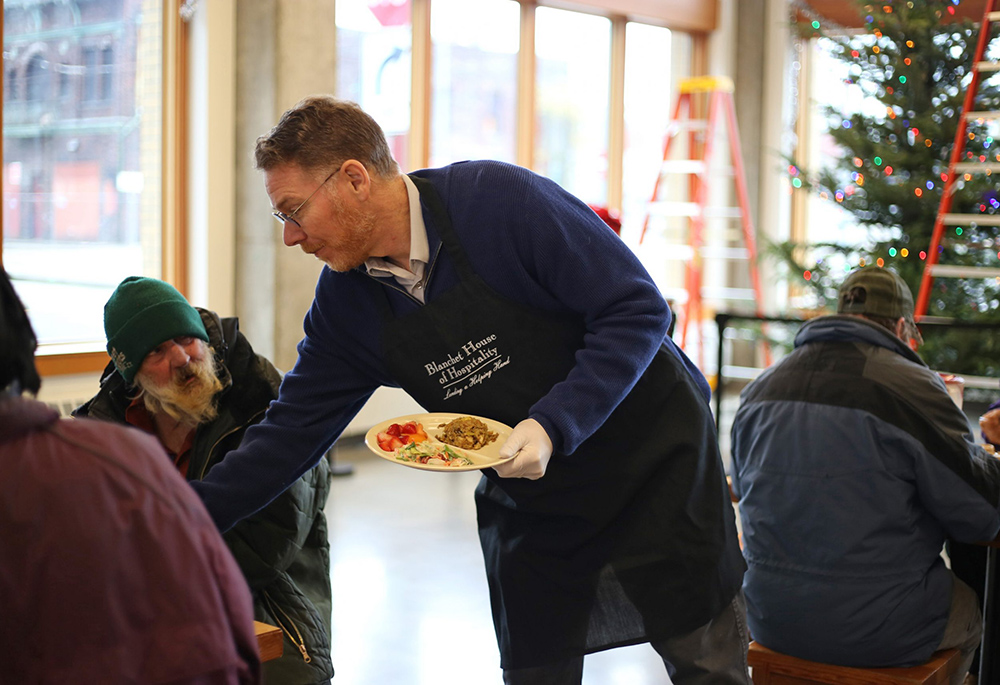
x=845, y=328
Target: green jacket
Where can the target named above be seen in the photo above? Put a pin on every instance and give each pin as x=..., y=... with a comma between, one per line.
x=283, y=550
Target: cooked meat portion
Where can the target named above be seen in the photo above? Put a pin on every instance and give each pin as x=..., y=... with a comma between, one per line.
x=467, y=433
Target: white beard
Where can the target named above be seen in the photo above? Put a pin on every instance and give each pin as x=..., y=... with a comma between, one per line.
x=189, y=403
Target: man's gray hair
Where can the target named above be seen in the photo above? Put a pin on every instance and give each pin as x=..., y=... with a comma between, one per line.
x=322, y=132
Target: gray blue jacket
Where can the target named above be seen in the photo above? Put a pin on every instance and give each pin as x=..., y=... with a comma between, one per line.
x=852, y=465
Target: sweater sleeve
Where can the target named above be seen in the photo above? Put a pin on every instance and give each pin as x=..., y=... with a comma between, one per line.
x=317, y=399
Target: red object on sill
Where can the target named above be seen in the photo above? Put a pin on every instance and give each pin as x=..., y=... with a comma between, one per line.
x=391, y=12
x=609, y=216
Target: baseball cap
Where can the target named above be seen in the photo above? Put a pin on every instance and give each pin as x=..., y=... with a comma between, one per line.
x=885, y=294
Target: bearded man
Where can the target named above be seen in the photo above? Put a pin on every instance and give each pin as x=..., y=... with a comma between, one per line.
x=192, y=379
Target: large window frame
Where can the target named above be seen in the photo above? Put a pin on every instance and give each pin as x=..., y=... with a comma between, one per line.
x=51, y=361
x=695, y=17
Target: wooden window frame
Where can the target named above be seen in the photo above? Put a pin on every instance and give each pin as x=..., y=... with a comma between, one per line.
x=174, y=197
x=695, y=17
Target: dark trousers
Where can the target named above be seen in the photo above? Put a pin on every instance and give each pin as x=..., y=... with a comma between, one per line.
x=968, y=563
x=715, y=654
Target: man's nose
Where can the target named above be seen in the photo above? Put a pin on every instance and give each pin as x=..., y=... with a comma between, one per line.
x=178, y=355
x=292, y=234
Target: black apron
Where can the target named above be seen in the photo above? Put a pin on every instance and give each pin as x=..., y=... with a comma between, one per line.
x=632, y=537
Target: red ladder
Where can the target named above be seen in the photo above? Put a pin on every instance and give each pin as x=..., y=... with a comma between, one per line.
x=957, y=168
x=719, y=91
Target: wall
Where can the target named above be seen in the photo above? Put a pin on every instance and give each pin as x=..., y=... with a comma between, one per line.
x=762, y=48
x=274, y=284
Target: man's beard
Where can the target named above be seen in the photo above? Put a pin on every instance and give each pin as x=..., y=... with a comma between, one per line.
x=189, y=403
x=352, y=249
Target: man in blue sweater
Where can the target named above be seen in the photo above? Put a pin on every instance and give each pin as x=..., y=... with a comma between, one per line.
x=852, y=463
x=610, y=523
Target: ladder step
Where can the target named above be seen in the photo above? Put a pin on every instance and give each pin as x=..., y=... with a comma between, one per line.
x=684, y=166
x=679, y=296
x=713, y=233
x=705, y=84
x=681, y=251
x=693, y=166
x=951, y=271
x=972, y=219
x=988, y=66
x=721, y=252
x=687, y=124
x=977, y=167
x=982, y=115
x=721, y=293
x=690, y=209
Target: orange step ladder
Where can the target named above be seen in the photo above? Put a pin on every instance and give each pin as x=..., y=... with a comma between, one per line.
x=959, y=169
x=702, y=136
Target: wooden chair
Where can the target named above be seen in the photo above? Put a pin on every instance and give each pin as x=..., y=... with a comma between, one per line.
x=773, y=668
x=270, y=643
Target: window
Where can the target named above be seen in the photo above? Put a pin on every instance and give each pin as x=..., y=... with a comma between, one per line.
x=82, y=167
x=373, y=64
x=90, y=74
x=107, y=73
x=528, y=84
x=573, y=53
x=474, y=107
x=827, y=220
x=650, y=92
x=37, y=77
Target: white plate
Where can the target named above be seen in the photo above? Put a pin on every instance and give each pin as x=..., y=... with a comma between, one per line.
x=486, y=456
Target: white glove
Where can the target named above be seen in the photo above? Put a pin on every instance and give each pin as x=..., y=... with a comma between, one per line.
x=989, y=424
x=531, y=449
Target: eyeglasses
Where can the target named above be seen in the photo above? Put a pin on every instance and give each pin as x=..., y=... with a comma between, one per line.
x=283, y=218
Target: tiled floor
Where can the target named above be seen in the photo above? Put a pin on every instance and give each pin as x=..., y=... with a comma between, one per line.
x=410, y=603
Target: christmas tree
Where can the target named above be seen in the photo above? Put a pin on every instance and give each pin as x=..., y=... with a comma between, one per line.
x=914, y=58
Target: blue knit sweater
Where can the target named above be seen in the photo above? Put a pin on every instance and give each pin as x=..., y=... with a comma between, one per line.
x=530, y=241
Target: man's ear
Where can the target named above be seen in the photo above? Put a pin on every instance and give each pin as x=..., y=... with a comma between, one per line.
x=357, y=176
x=901, y=330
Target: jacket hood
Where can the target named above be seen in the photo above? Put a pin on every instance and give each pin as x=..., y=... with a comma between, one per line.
x=846, y=328
x=20, y=416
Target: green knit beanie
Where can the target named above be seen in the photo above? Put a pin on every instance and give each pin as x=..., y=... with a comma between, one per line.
x=141, y=314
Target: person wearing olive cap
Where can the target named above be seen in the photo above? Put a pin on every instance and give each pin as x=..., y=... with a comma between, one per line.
x=192, y=379
x=852, y=464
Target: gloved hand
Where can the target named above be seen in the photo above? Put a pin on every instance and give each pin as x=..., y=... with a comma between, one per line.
x=989, y=424
x=529, y=450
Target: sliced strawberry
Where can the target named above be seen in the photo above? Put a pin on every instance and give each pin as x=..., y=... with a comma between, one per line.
x=387, y=442
x=395, y=429
x=410, y=427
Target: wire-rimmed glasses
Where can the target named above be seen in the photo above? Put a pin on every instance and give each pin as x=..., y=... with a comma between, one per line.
x=283, y=218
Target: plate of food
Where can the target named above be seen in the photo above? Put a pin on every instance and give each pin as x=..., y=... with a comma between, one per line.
x=440, y=441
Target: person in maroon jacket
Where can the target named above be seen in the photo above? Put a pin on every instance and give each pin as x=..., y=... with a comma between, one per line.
x=111, y=570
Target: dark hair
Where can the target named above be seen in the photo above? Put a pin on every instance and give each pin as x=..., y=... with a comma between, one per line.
x=885, y=322
x=322, y=132
x=17, y=342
